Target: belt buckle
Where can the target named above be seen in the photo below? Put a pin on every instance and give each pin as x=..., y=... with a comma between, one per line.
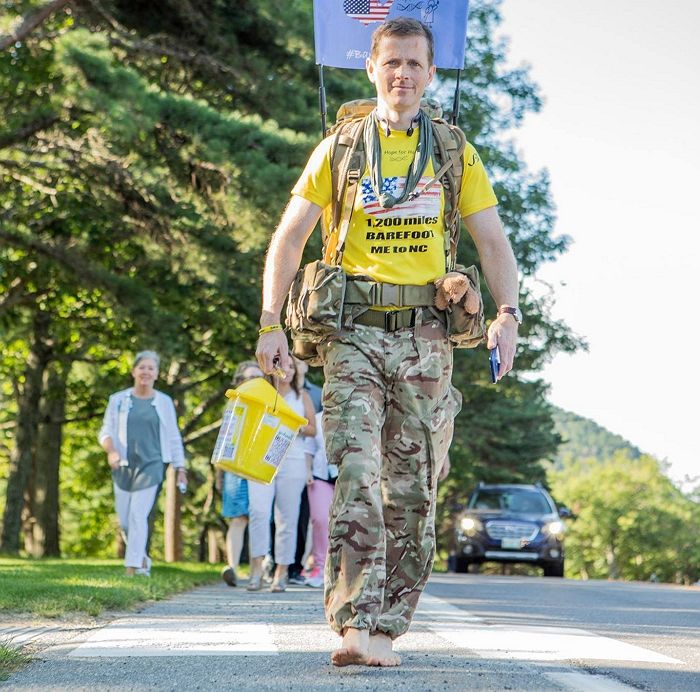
x=391, y=294
x=390, y=320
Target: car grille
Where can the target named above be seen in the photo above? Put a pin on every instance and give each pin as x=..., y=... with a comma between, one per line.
x=498, y=530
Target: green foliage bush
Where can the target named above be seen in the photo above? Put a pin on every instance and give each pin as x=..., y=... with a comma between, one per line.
x=631, y=521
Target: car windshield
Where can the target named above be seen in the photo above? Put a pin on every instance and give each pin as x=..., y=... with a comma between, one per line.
x=515, y=500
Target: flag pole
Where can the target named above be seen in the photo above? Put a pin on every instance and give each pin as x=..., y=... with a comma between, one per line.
x=322, y=100
x=455, y=103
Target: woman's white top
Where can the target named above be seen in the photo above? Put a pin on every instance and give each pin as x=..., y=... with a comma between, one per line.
x=294, y=463
x=114, y=425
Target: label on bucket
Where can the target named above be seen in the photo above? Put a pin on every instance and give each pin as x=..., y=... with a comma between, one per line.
x=279, y=446
x=225, y=422
x=231, y=442
x=229, y=433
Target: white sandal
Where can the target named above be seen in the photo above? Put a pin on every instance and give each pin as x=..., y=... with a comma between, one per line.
x=254, y=583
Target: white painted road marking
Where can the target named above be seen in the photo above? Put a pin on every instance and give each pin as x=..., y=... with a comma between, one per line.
x=216, y=636
x=522, y=642
x=583, y=682
x=178, y=637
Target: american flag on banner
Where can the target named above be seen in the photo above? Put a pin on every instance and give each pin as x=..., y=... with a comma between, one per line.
x=367, y=11
x=426, y=204
x=343, y=28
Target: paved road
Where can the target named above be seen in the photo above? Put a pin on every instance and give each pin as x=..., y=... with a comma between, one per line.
x=471, y=632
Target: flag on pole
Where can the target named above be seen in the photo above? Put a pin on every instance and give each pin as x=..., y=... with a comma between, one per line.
x=343, y=28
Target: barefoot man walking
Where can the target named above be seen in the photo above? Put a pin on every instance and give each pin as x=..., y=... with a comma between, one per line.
x=388, y=401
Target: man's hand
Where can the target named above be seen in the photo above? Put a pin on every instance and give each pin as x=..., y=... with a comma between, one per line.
x=273, y=346
x=503, y=332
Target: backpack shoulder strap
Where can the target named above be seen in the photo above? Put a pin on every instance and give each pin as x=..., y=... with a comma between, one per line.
x=448, y=144
x=347, y=163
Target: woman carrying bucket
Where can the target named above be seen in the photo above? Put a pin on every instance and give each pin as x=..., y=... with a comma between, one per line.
x=234, y=493
x=284, y=492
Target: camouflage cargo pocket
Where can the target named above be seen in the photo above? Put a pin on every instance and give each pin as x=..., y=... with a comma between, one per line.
x=335, y=414
x=315, y=302
x=441, y=422
x=465, y=330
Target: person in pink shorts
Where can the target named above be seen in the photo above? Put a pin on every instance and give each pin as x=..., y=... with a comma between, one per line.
x=320, y=481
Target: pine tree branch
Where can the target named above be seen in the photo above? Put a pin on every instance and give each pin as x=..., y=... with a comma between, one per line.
x=69, y=258
x=202, y=409
x=125, y=39
x=11, y=138
x=202, y=432
x=30, y=22
x=16, y=295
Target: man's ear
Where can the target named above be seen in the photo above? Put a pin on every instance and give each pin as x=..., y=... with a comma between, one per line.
x=431, y=73
x=369, y=66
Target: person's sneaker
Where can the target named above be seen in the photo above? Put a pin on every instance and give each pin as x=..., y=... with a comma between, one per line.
x=229, y=576
x=315, y=579
x=145, y=571
x=297, y=579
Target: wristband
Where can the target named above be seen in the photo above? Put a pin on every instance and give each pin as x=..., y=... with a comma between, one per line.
x=271, y=328
x=510, y=310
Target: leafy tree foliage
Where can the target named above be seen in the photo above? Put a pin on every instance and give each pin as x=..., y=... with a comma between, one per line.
x=583, y=438
x=631, y=521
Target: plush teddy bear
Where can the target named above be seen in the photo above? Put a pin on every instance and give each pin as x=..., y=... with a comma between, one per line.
x=454, y=288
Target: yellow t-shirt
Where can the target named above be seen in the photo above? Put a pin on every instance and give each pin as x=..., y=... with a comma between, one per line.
x=404, y=244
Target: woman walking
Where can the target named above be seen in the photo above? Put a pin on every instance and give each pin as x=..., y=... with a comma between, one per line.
x=234, y=492
x=284, y=491
x=140, y=435
x=320, y=486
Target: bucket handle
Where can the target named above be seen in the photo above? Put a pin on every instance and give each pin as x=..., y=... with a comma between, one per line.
x=276, y=365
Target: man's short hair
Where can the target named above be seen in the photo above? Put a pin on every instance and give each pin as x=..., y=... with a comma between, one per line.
x=403, y=26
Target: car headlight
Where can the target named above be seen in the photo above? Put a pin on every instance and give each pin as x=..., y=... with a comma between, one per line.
x=469, y=524
x=555, y=528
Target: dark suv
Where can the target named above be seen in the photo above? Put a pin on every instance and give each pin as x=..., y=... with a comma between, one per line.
x=509, y=523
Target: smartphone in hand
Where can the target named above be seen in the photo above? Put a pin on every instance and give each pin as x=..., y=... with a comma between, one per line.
x=494, y=363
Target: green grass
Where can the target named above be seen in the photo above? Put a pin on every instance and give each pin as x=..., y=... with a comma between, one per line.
x=11, y=659
x=53, y=588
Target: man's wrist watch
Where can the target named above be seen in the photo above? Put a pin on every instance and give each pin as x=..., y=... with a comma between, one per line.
x=510, y=310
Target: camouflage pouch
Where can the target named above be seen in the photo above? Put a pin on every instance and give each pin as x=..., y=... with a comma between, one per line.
x=466, y=330
x=315, y=307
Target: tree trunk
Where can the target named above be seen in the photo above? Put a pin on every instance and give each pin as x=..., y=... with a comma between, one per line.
x=48, y=459
x=26, y=434
x=173, y=531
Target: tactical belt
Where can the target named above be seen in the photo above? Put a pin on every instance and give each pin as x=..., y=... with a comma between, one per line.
x=375, y=294
x=392, y=320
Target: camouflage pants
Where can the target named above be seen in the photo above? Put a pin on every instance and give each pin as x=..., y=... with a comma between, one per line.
x=389, y=408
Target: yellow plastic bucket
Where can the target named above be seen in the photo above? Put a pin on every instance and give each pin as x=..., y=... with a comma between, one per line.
x=257, y=430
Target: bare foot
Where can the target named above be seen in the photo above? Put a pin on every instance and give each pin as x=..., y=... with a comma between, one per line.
x=353, y=650
x=381, y=651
